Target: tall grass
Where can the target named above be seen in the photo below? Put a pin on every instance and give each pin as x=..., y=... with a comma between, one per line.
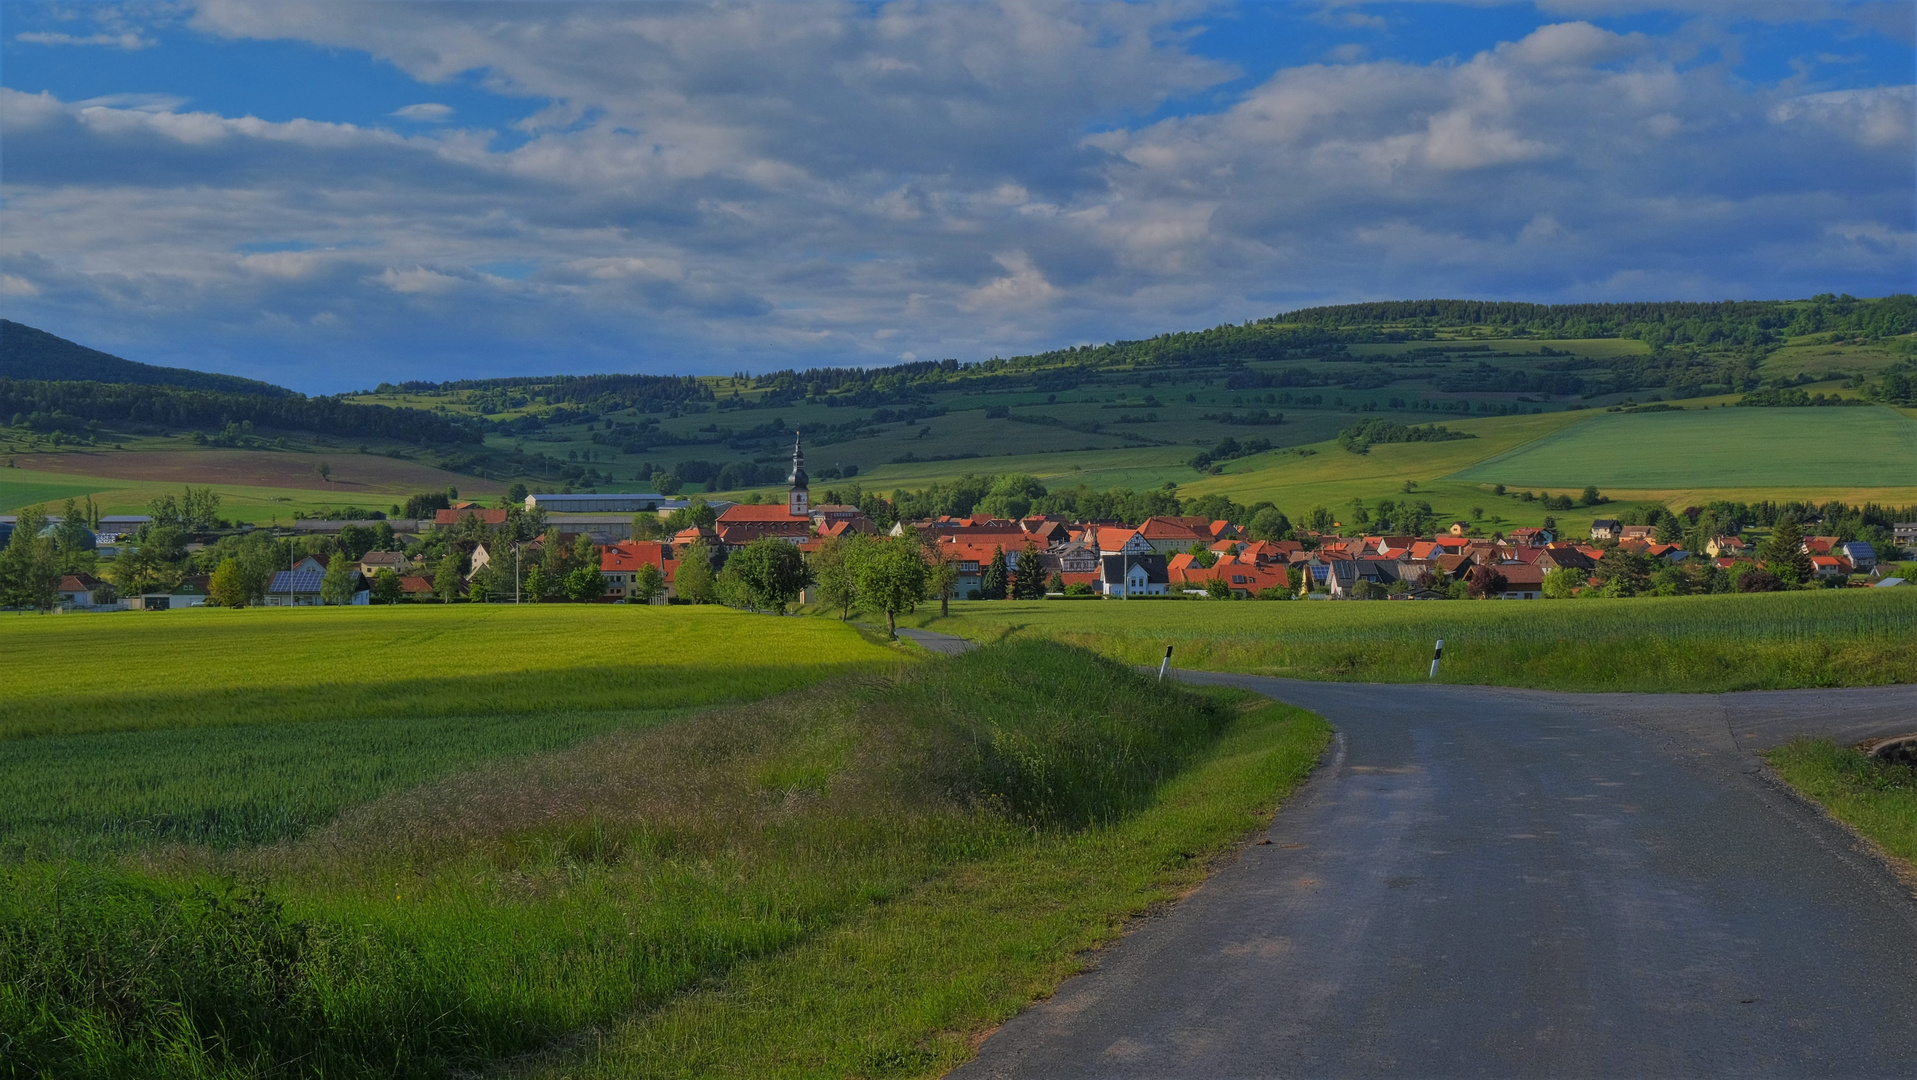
x=131, y=671
x=439, y=928
x=1851, y=637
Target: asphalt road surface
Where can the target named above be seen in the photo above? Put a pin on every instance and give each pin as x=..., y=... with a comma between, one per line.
x=1501, y=883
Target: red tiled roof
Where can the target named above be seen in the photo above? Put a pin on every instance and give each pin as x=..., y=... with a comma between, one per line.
x=740, y=513
x=453, y=517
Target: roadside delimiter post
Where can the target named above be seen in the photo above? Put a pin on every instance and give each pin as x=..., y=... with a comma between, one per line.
x=1436, y=655
x=1164, y=664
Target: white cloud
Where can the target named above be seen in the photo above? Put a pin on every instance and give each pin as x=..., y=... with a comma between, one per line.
x=835, y=183
x=129, y=41
x=427, y=112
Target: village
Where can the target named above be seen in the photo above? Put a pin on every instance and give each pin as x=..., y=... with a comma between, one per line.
x=634, y=548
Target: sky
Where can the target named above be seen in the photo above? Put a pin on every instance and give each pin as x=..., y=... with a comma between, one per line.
x=328, y=195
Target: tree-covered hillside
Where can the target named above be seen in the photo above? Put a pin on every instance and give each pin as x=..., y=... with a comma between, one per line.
x=28, y=353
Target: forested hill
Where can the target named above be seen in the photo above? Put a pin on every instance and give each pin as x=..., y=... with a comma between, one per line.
x=27, y=353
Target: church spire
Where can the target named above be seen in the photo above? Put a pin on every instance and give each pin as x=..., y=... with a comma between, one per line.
x=796, y=498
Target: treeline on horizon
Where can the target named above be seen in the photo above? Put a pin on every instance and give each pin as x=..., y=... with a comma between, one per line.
x=69, y=407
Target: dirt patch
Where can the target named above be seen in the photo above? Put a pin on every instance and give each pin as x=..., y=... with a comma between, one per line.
x=352, y=473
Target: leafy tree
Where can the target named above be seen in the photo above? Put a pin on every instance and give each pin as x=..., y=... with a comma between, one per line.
x=585, y=584
x=836, y=565
x=693, y=581
x=1012, y=496
x=1320, y=520
x=1670, y=530
x=647, y=583
x=647, y=526
x=516, y=494
x=1591, y=497
x=1621, y=572
x=1202, y=555
x=536, y=585
x=771, y=572
x=386, y=588
x=227, y=587
x=29, y=574
x=1758, y=579
x=1270, y=524
x=1029, y=582
x=942, y=581
x=893, y=577
x=1217, y=587
x=446, y=576
x=1562, y=583
x=337, y=586
x=1783, y=553
x=1485, y=582
x=485, y=585
x=157, y=561
x=993, y=582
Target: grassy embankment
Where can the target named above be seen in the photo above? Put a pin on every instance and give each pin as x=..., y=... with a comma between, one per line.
x=1877, y=798
x=851, y=878
x=1677, y=644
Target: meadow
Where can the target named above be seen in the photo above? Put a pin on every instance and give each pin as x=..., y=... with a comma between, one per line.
x=1716, y=448
x=1699, y=644
x=1877, y=798
x=853, y=878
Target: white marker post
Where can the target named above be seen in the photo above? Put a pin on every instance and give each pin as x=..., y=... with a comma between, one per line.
x=1436, y=655
x=1164, y=664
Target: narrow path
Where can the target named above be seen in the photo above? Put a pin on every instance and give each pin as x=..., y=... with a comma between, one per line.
x=1495, y=882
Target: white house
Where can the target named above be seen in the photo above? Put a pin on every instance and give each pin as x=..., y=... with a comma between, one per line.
x=1134, y=575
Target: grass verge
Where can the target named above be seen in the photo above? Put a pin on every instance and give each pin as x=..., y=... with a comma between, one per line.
x=1702, y=644
x=964, y=825
x=909, y=988
x=1876, y=798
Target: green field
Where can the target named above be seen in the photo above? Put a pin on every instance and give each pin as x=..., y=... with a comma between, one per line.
x=1682, y=644
x=417, y=841
x=1718, y=448
x=19, y=488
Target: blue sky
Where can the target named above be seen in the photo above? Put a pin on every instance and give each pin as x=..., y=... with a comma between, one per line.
x=328, y=195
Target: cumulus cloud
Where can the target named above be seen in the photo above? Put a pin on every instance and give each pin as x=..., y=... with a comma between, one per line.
x=756, y=186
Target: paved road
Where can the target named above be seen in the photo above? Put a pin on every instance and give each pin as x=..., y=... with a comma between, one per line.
x=1492, y=882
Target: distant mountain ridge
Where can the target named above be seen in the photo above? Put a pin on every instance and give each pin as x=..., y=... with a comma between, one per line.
x=27, y=353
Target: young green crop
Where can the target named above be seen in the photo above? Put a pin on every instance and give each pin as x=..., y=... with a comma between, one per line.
x=215, y=667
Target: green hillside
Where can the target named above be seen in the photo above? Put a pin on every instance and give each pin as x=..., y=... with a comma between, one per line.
x=1724, y=448
x=27, y=353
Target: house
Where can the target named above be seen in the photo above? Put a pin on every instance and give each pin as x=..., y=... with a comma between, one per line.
x=1521, y=582
x=1171, y=535
x=1728, y=547
x=619, y=564
x=1818, y=545
x=1604, y=529
x=83, y=590
x=741, y=524
x=375, y=561
x=1120, y=541
x=837, y=519
x=1828, y=566
x=1345, y=574
x=300, y=586
x=1861, y=556
x=609, y=503
x=1531, y=536
x=1646, y=533
x=1565, y=557
x=1134, y=575
x=1904, y=533
x=417, y=587
x=1459, y=528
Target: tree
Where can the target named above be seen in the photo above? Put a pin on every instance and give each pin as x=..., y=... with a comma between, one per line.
x=324, y=470
x=836, y=566
x=1056, y=583
x=483, y=586
x=157, y=561
x=446, y=578
x=1012, y=495
x=1562, y=583
x=1320, y=520
x=29, y=575
x=1484, y=582
x=893, y=577
x=647, y=526
x=1758, y=579
x=516, y=494
x=693, y=580
x=771, y=571
x=536, y=584
x=1669, y=531
x=1029, y=582
x=647, y=583
x=1269, y=524
x=943, y=581
x=337, y=586
x=1203, y=556
x=585, y=584
x=993, y=581
x=386, y=588
x=227, y=587
x=1217, y=587
x=1624, y=573
x=1783, y=553
x=1590, y=496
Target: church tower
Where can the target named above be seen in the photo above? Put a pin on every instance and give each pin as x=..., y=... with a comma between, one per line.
x=795, y=500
